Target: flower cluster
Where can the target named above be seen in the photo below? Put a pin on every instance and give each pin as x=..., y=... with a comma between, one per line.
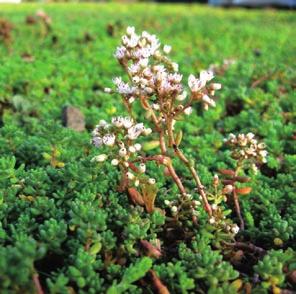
x=153, y=75
x=155, y=81
x=199, y=89
x=120, y=135
x=218, y=218
x=182, y=205
x=246, y=147
x=220, y=221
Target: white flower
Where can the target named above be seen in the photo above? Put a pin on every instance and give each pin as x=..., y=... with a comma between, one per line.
x=130, y=30
x=115, y=162
x=167, y=49
x=174, y=209
x=102, y=124
x=109, y=139
x=99, y=158
x=182, y=96
x=151, y=181
x=155, y=106
x=136, y=183
x=97, y=141
x=195, y=84
x=123, y=88
x=120, y=52
x=206, y=76
x=135, y=131
x=263, y=153
x=117, y=121
x=128, y=122
x=175, y=78
x=144, y=62
x=188, y=110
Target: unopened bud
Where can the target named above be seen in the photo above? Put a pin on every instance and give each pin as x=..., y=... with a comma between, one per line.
x=216, y=180
x=142, y=168
x=122, y=152
x=130, y=176
x=151, y=181
x=227, y=189
x=114, y=162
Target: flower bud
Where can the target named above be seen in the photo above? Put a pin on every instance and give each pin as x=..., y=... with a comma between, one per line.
x=188, y=110
x=99, y=158
x=212, y=220
x=131, y=100
x=167, y=49
x=215, y=86
x=108, y=90
x=138, y=146
x=147, y=131
x=114, y=162
x=151, y=181
x=227, y=189
x=235, y=229
x=132, y=149
x=175, y=66
x=167, y=202
x=216, y=180
x=122, y=152
x=130, y=176
x=142, y=168
x=182, y=96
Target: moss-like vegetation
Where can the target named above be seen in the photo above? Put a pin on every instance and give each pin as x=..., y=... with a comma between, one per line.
x=65, y=228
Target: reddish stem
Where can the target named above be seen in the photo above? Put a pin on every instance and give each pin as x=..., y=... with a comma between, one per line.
x=37, y=284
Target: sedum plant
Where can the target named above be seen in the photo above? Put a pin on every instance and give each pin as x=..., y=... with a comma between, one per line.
x=154, y=82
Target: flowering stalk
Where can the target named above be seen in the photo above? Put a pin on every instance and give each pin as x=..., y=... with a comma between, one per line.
x=248, y=153
x=154, y=81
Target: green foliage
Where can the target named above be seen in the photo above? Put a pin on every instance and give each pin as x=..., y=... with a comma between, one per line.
x=68, y=223
x=132, y=274
x=271, y=268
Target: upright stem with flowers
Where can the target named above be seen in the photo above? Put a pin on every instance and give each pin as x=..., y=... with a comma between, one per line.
x=155, y=83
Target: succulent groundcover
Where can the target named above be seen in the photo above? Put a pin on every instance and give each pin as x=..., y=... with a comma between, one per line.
x=125, y=171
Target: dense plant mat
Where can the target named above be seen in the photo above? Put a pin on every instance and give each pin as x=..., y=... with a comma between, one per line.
x=65, y=228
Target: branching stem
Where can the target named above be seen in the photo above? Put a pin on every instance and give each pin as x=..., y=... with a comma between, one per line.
x=192, y=170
